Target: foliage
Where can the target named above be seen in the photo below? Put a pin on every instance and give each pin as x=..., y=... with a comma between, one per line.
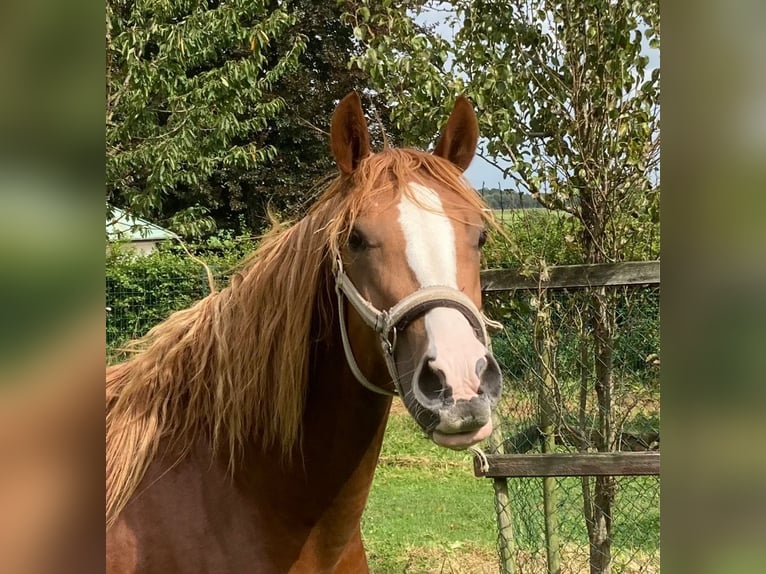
x=222, y=109
x=530, y=236
x=188, y=87
x=407, y=63
x=563, y=92
x=300, y=132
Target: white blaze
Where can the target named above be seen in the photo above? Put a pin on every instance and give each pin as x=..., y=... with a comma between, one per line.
x=429, y=238
x=431, y=254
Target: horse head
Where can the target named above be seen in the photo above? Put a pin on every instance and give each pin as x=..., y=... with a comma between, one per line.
x=407, y=277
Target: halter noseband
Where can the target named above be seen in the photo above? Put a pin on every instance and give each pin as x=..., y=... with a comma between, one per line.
x=388, y=323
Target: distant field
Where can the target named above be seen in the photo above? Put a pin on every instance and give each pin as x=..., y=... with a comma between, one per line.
x=516, y=214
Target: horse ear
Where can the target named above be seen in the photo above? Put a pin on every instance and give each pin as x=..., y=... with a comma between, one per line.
x=460, y=136
x=349, y=137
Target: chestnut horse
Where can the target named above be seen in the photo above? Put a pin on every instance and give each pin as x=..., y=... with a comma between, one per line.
x=244, y=435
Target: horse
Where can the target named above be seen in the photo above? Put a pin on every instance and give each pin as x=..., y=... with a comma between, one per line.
x=244, y=434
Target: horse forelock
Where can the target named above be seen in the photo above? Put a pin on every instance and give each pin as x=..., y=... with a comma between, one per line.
x=393, y=170
x=234, y=367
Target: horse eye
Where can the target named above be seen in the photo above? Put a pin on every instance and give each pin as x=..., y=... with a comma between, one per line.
x=356, y=241
x=482, y=238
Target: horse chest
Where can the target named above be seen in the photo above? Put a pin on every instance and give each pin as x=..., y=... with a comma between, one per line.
x=192, y=519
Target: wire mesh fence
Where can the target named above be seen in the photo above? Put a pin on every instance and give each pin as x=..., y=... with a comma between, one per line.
x=581, y=369
x=635, y=533
x=139, y=296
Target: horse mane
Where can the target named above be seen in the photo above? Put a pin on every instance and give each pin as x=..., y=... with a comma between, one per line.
x=234, y=367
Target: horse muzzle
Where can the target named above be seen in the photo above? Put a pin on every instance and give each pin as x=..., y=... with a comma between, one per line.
x=456, y=411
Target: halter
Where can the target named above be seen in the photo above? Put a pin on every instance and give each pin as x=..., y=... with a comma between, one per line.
x=389, y=323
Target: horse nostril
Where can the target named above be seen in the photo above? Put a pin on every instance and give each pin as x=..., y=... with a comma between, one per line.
x=431, y=381
x=481, y=366
x=431, y=384
x=491, y=380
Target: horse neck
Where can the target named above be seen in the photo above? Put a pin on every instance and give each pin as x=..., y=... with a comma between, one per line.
x=344, y=423
x=343, y=420
x=327, y=481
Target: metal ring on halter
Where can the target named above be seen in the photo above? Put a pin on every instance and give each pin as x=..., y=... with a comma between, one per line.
x=389, y=342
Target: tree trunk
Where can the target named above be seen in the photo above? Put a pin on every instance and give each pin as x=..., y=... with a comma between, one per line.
x=598, y=493
x=600, y=523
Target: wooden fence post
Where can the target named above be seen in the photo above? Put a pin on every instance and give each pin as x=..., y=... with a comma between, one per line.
x=544, y=346
x=503, y=509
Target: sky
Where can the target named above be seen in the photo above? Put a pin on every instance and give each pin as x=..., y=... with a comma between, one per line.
x=480, y=172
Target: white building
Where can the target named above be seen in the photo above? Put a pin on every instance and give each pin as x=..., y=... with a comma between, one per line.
x=134, y=232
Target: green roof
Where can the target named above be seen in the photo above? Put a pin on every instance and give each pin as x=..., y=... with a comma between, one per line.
x=125, y=227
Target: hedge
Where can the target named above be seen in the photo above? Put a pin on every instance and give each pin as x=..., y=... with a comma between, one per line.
x=142, y=290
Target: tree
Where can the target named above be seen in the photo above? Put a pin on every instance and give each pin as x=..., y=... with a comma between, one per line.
x=218, y=113
x=189, y=86
x=563, y=90
x=564, y=93
x=300, y=131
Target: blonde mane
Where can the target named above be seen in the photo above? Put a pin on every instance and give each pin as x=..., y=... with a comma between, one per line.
x=234, y=367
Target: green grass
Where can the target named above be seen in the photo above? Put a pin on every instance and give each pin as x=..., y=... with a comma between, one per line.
x=424, y=502
x=427, y=513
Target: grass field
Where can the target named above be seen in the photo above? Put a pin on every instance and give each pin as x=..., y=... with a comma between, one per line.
x=428, y=514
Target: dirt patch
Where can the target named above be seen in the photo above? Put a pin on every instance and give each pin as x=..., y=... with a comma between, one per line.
x=467, y=558
x=398, y=408
x=455, y=558
x=574, y=560
x=409, y=461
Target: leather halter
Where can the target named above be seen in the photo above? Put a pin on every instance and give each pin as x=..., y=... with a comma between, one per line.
x=388, y=323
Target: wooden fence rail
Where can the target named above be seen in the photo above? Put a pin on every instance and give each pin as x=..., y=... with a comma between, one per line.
x=571, y=464
x=570, y=276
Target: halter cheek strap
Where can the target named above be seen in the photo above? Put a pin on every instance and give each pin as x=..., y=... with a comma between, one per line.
x=387, y=324
x=350, y=359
